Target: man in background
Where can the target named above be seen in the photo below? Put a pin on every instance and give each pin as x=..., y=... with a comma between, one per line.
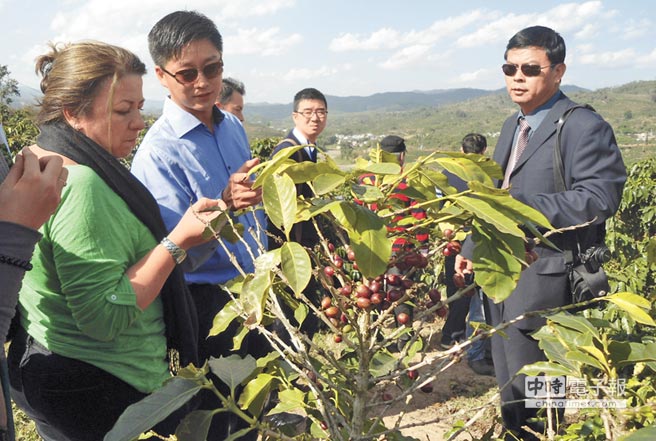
x=231, y=98
x=310, y=114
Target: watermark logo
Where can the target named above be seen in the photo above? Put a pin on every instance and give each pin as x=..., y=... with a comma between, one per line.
x=562, y=392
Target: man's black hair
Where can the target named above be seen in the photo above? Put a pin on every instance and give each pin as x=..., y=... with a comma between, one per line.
x=541, y=37
x=175, y=31
x=308, y=94
x=474, y=143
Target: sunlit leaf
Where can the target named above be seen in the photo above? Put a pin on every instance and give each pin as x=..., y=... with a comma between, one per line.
x=268, y=168
x=296, y=266
x=465, y=169
x=279, y=197
x=577, y=322
x=327, y=182
x=497, y=271
x=632, y=304
x=255, y=393
x=545, y=368
x=223, y=318
x=291, y=400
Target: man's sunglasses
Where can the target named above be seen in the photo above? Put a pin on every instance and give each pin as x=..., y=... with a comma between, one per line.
x=529, y=70
x=188, y=76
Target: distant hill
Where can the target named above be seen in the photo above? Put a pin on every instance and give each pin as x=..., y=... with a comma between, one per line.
x=388, y=101
x=262, y=113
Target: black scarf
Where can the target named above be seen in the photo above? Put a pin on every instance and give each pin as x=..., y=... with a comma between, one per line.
x=179, y=311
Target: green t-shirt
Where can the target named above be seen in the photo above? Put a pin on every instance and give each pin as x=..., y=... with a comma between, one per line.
x=77, y=300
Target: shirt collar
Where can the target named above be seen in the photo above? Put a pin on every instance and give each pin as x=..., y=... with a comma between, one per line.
x=538, y=115
x=301, y=139
x=184, y=122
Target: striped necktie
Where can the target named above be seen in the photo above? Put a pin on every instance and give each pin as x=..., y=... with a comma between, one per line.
x=522, y=141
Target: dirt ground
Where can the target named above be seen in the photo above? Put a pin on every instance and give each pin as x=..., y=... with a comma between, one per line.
x=458, y=395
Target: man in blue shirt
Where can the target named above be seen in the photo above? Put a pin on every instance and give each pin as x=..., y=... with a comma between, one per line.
x=195, y=150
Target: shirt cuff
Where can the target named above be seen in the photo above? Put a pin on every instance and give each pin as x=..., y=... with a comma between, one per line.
x=17, y=240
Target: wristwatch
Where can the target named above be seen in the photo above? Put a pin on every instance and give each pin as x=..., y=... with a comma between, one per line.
x=178, y=254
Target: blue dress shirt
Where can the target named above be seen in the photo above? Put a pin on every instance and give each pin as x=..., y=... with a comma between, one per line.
x=181, y=160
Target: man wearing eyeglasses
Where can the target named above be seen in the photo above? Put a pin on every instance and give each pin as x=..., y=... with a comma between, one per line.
x=196, y=150
x=310, y=113
x=594, y=177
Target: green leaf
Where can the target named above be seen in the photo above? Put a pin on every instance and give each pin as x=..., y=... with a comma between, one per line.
x=195, y=426
x=232, y=370
x=239, y=337
x=632, y=304
x=255, y=393
x=224, y=317
x=631, y=298
x=279, y=197
x=142, y=415
x=626, y=353
x=368, y=236
x=300, y=313
x=367, y=193
x=327, y=182
x=382, y=363
x=497, y=270
x=644, y=434
x=255, y=289
x=488, y=213
x=511, y=207
x=273, y=166
x=307, y=171
x=546, y=368
x=296, y=266
x=651, y=251
x=383, y=168
x=291, y=400
x=577, y=322
x=465, y=169
x=582, y=358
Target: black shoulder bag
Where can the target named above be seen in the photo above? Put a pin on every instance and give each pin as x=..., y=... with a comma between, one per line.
x=587, y=279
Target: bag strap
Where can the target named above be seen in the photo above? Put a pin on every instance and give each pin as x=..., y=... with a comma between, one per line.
x=558, y=168
x=559, y=172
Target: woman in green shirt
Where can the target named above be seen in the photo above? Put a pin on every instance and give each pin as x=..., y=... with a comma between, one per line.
x=105, y=305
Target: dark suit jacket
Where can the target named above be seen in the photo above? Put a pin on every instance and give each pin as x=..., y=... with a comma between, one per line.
x=305, y=230
x=595, y=175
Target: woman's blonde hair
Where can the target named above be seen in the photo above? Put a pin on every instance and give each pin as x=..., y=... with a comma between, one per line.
x=73, y=73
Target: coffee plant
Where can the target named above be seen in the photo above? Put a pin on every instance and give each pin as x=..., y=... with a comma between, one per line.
x=371, y=354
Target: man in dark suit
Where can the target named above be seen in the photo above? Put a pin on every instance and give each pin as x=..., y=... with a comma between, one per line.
x=310, y=115
x=594, y=176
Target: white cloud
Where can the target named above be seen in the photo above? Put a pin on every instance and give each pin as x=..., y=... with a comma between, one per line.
x=588, y=31
x=262, y=42
x=620, y=58
x=387, y=38
x=406, y=56
x=384, y=38
x=635, y=28
x=475, y=77
x=303, y=73
x=648, y=60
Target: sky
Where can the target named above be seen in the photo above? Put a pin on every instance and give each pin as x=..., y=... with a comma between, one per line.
x=351, y=47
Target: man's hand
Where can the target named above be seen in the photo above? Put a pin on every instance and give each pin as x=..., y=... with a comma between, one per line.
x=239, y=193
x=32, y=190
x=463, y=266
